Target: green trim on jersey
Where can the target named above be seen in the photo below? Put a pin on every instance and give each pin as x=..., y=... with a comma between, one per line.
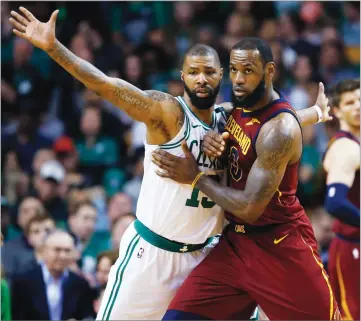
x=119, y=276
x=185, y=137
x=165, y=244
x=205, y=126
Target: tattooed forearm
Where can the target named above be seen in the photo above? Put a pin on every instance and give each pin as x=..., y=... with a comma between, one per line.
x=129, y=97
x=77, y=67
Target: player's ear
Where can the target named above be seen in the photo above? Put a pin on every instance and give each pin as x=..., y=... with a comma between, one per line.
x=270, y=69
x=221, y=73
x=336, y=112
x=182, y=75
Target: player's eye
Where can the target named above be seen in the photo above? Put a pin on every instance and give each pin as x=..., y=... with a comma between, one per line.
x=248, y=71
x=233, y=69
x=192, y=72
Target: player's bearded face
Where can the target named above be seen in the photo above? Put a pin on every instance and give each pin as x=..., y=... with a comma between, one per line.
x=203, y=102
x=249, y=100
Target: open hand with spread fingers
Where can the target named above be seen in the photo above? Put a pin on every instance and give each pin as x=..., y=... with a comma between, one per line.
x=214, y=144
x=41, y=35
x=322, y=102
x=180, y=169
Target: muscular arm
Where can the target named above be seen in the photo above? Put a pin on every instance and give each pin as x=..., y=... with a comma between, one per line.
x=341, y=163
x=278, y=143
x=141, y=106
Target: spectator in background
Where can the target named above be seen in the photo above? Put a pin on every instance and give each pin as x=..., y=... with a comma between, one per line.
x=16, y=181
x=82, y=226
x=61, y=294
x=95, y=151
x=119, y=205
x=21, y=255
x=5, y=218
x=333, y=64
x=67, y=155
x=27, y=209
x=105, y=260
x=5, y=294
x=120, y=227
x=47, y=188
x=26, y=141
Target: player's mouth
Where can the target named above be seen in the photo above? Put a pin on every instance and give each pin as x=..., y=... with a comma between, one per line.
x=203, y=92
x=239, y=92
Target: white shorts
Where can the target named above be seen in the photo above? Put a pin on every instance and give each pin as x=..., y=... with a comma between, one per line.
x=145, y=278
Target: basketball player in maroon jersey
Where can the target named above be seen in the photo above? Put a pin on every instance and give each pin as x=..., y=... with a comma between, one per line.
x=268, y=253
x=342, y=164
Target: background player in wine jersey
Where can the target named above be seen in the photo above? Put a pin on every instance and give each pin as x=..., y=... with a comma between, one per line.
x=175, y=222
x=268, y=252
x=342, y=165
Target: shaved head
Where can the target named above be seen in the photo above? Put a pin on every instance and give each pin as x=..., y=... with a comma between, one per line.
x=202, y=50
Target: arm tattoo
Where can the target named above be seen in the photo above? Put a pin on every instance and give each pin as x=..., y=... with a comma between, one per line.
x=128, y=96
x=77, y=67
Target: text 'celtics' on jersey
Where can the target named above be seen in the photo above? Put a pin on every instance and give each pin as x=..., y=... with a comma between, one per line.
x=177, y=211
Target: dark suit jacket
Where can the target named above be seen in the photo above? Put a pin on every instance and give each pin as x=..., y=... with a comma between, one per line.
x=30, y=300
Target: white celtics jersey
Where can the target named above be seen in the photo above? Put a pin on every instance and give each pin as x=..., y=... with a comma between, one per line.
x=177, y=211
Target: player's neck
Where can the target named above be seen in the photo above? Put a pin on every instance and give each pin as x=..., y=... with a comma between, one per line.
x=205, y=115
x=269, y=96
x=354, y=130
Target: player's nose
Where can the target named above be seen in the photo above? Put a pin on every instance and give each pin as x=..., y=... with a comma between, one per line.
x=202, y=80
x=239, y=79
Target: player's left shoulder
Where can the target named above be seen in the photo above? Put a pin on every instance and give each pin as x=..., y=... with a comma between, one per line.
x=282, y=125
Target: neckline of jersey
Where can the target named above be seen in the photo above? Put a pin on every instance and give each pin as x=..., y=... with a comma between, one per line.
x=201, y=121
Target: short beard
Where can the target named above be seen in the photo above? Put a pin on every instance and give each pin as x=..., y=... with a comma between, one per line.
x=203, y=103
x=251, y=99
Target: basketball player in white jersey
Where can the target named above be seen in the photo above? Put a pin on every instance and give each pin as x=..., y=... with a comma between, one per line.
x=176, y=224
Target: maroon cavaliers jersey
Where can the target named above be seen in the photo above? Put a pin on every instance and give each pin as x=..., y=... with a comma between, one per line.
x=353, y=195
x=244, y=127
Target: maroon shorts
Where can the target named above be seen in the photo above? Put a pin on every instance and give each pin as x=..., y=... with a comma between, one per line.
x=344, y=270
x=278, y=268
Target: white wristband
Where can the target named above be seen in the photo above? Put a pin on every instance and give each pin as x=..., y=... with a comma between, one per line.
x=319, y=113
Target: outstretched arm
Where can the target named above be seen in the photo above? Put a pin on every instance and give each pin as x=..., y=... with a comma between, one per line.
x=278, y=144
x=140, y=105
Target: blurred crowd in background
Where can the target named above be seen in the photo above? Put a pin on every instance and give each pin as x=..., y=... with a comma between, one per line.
x=74, y=161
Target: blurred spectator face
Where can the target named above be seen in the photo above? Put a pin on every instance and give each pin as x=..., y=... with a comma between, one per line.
x=248, y=78
x=287, y=28
x=133, y=68
x=303, y=70
x=22, y=51
x=38, y=231
x=201, y=76
x=83, y=221
x=269, y=30
x=41, y=157
x=58, y=252
x=206, y=36
x=66, y=153
x=243, y=7
x=183, y=12
x=103, y=269
x=233, y=24
x=119, y=205
x=28, y=209
x=51, y=175
x=119, y=229
x=330, y=56
x=349, y=108
x=175, y=88
x=277, y=52
x=329, y=34
x=157, y=37
x=80, y=48
x=11, y=161
x=90, y=122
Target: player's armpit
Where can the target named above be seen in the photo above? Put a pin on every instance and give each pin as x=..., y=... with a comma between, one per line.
x=278, y=144
x=341, y=162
